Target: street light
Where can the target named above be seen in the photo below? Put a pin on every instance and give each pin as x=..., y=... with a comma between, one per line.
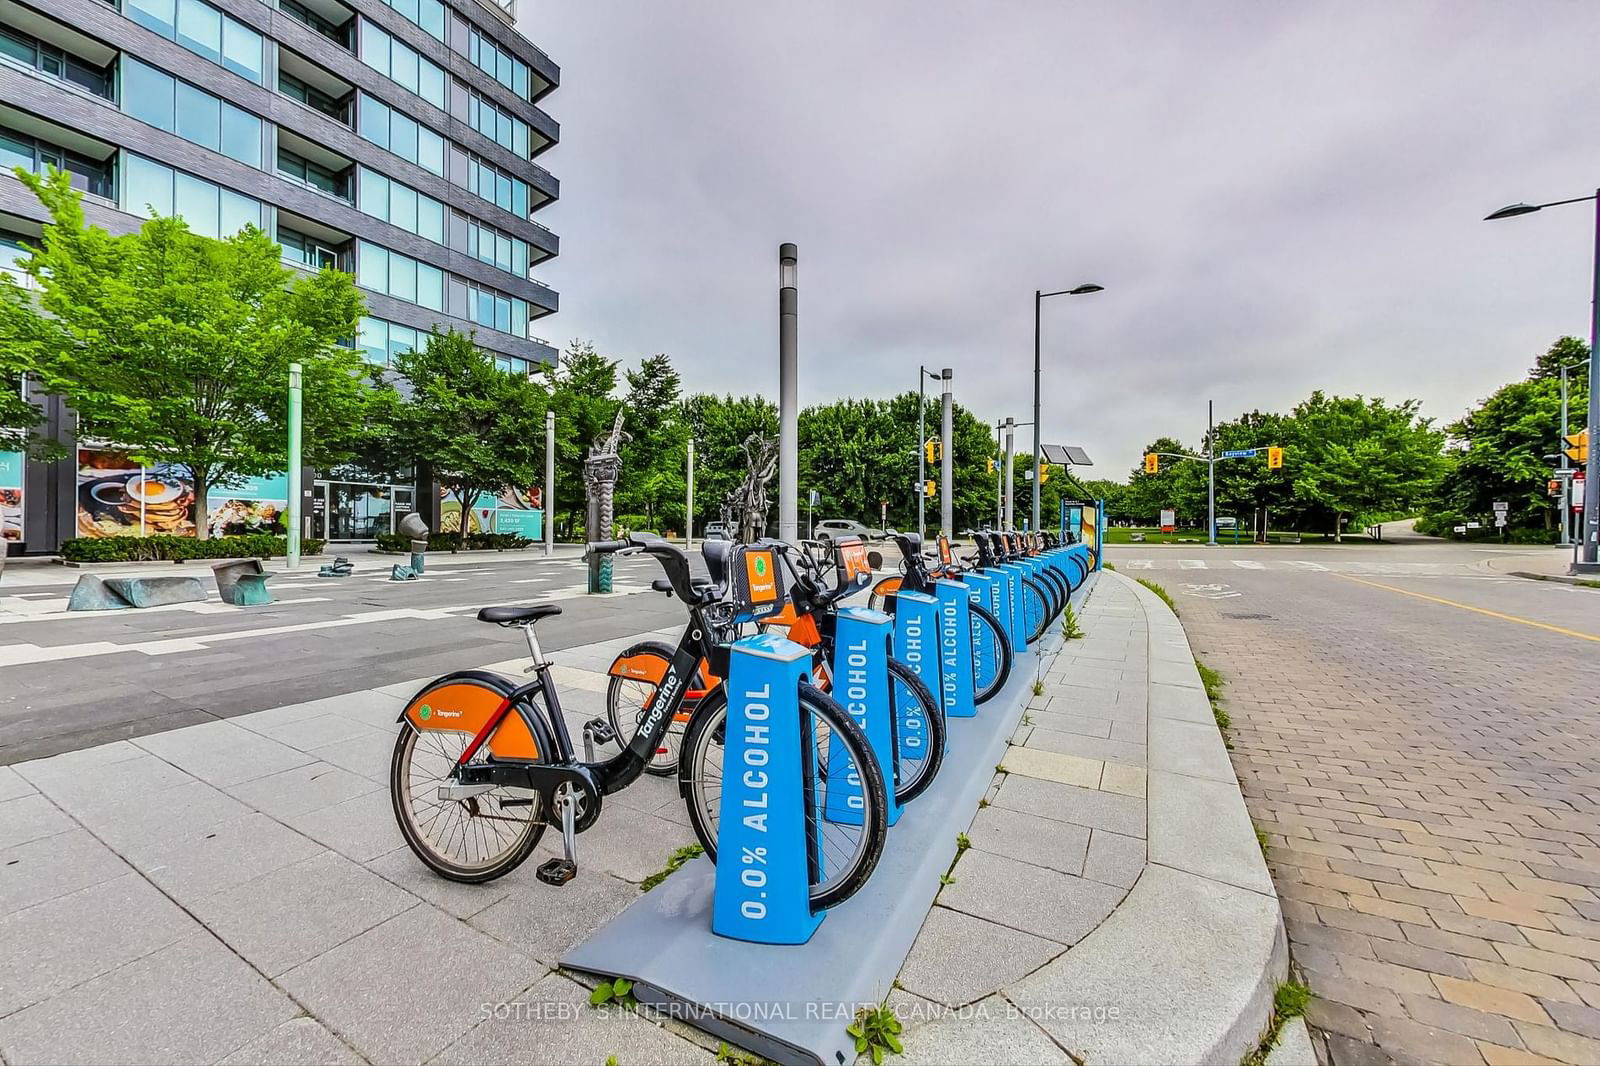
x=1038, y=452
x=1589, y=556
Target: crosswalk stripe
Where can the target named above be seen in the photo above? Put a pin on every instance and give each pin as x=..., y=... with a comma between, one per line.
x=1139, y=564
x=1249, y=564
x=1304, y=565
x=1192, y=564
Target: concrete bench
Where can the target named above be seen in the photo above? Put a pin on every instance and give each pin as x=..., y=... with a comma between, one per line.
x=109, y=594
x=242, y=582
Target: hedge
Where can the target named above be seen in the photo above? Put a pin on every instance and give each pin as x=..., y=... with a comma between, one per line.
x=449, y=542
x=162, y=547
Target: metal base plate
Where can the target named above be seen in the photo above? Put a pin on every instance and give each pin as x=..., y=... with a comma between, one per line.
x=790, y=1004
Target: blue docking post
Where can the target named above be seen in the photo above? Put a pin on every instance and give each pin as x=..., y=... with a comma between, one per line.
x=765, y=854
x=955, y=649
x=861, y=686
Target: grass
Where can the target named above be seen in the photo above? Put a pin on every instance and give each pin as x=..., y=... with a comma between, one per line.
x=1213, y=683
x=674, y=862
x=1109, y=566
x=1153, y=535
x=1070, y=630
x=1289, y=1001
x=1038, y=687
x=1587, y=584
x=1166, y=597
x=1263, y=842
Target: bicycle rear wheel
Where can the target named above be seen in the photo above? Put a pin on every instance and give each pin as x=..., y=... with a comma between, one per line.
x=1036, y=612
x=847, y=852
x=989, y=674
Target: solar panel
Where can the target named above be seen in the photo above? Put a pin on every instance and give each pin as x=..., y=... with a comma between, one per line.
x=1079, y=456
x=1055, y=453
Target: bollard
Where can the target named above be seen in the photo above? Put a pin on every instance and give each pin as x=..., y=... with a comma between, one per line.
x=861, y=685
x=916, y=637
x=764, y=855
x=985, y=591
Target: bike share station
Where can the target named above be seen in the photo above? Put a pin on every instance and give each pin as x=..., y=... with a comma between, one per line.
x=735, y=948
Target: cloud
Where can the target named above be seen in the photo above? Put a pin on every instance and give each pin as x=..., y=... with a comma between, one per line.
x=1277, y=197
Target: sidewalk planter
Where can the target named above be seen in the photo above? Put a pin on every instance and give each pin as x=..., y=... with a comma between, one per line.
x=162, y=548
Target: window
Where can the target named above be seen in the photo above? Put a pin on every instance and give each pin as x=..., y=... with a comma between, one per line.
x=400, y=205
x=96, y=176
x=313, y=97
x=203, y=30
x=328, y=180
x=496, y=186
x=496, y=310
x=46, y=57
x=158, y=98
x=490, y=245
x=399, y=276
x=395, y=60
x=306, y=251
x=209, y=209
x=429, y=14
x=499, y=126
x=339, y=33
x=500, y=65
x=401, y=135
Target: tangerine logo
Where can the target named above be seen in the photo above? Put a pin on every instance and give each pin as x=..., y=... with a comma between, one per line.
x=426, y=712
x=761, y=567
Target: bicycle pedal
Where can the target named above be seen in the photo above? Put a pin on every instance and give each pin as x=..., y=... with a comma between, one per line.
x=600, y=730
x=557, y=871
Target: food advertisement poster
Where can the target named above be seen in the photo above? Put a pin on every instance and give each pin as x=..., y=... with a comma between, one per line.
x=514, y=511
x=118, y=497
x=256, y=505
x=10, y=496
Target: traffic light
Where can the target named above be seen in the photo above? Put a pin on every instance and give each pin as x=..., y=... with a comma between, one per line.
x=1044, y=473
x=930, y=450
x=1274, y=458
x=930, y=488
x=1579, y=452
x=991, y=466
x=1152, y=463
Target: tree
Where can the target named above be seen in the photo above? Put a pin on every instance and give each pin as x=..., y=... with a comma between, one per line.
x=1248, y=484
x=580, y=394
x=1564, y=352
x=720, y=425
x=479, y=428
x=653, y=460
x=18, y=417
x=1360, y=457
x=179, y=346
x=1178, y=483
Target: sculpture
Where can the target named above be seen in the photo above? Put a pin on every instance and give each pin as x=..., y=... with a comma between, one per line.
x=600, y=472
x=745, y=506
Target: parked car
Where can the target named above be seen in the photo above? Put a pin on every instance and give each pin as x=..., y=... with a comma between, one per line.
x=717, y=531
x=829, y=528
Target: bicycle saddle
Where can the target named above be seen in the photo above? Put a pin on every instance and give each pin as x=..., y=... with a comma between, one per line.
x=508, y=616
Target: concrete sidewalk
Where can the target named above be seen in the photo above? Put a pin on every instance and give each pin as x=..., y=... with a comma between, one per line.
x=238, y=892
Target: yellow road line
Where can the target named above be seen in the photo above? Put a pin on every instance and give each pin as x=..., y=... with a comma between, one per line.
x=1475, y=610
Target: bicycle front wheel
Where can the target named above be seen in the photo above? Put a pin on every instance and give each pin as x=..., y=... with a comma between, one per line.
x=1035, y=608
x=846, y=850
x=989, y=673
x=919, y=732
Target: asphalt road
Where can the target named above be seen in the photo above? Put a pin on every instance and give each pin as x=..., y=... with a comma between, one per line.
x=1415, y=732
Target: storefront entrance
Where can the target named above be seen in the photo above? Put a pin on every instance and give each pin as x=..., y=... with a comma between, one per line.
x=355, y=510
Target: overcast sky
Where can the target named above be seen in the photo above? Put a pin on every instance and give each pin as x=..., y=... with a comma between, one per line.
x=1277, y=197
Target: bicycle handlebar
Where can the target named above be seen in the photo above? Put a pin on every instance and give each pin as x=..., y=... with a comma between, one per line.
x=605, y=547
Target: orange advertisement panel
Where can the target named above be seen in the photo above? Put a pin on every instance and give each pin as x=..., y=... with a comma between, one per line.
x=464, y=707
x=760, y=578
x=853, y=559
x=946, y=556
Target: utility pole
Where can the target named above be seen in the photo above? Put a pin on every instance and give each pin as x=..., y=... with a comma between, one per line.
x=296, y=503
x=1591, y=483
x=1211, y=473
x=549, y=483
x=999, y=481
x=922, y=448
x=788, y=390
x=946, y=506
x=1011, y=499
x=688, y=504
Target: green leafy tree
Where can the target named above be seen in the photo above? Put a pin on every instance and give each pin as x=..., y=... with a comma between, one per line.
x=1565, y=352
x=581, y=394
x=478, y=428
x=1178, y=483
x=179, y=346
x=720, y=425
x=1359, y=457
x=1248, y=487
x=18, y=417
x=653, y=461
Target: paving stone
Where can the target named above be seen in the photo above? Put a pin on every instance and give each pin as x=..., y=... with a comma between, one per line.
x=368, y=754
x=221, y=753
x=1067, y=803
x=991, y=1031
x=1030, y=838
x=1202, y=826
x=1184, y=703
x=1114, y=859
x=361, y=828
x=49, y=947
x=302, y=789
x=224, y=856
x=401, y=867
x=959, y=959
x=30, y=817
x=1087, y=747
x=1191, y=748
x=281, y=919
x=125, y=820
x=523, y=918
x=1181, y=674
x=54, y=866
x=162, y=1009
x=297, y=1042
x=1493, y=1000
x=1579, y=1019
x=1293, y=1047
x=13, y=784
x=1413, y=1042
x=1029, y=898
x=552, y=1024
x=1123, y=780
x=76, y=785
x=1051, y=766
x=632, y=847
x=1464, y=1020
x=1343, y=1051
x=404, y=991
x=1180, y=947
x=1073, y=723
x=1555, y=1044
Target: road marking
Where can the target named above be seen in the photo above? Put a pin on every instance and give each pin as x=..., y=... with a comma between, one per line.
x=1192, y=564
x=1302, y=564
x=1475, y=610
x=1139, y=564
x=1249, y=564
x=1211, y=592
